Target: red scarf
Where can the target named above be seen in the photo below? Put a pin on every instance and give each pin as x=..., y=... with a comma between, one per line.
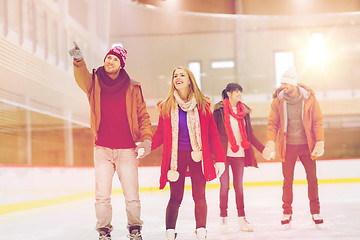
x=239, y=116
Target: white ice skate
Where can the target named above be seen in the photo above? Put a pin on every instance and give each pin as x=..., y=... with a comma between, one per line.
x=286, y=219
x=245, y=225
x=170, y=234
x=317, y=219
x=201, y=233
x=223, y=224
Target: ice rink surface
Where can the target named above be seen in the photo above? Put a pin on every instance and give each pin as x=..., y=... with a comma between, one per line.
x=75, y=220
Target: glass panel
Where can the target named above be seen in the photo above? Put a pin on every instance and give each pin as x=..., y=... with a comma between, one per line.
x=83, y=145
x=316, y=51
x=79, y=11
x=283, y=60
x=12, y=135
x=53, y=40
x=47, y=140
x=14, y=7
x=3, y=11
x=31, y=21
x=195, y=68
x=223, y=64
x=41, y=30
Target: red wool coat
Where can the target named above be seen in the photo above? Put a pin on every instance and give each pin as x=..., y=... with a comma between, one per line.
x=210, y=144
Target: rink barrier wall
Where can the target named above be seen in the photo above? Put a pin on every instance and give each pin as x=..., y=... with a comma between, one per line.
x=25, y=187
x=22, y=206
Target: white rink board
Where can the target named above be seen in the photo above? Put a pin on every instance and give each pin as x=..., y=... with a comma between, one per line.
x=21, y=184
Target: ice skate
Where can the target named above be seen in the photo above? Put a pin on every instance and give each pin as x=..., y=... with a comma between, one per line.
x=171, y=234
x=317, y=219
x=201, y=234
x=135, y=233
x=223, y=224
x=104, y=234
x=245, y=225
x=286, y=219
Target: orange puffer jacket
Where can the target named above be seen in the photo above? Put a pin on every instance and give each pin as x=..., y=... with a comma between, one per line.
x=311, y=118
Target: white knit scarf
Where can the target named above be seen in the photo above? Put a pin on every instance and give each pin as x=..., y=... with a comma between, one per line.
x=193, y=124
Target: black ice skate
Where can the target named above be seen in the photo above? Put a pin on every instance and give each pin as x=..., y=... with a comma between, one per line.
x=286, y=219
x=104, y=234
x=134, y=233
x=317, y=219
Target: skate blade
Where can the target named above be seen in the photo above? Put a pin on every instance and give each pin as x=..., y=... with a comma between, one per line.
x=246, y=229
x=319, y=226
x=223, y=228
x=286, y=226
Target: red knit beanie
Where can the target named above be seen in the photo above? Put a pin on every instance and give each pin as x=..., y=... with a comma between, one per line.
x=119, y=52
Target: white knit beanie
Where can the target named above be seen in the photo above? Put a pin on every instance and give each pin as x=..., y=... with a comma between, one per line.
x=289, y=77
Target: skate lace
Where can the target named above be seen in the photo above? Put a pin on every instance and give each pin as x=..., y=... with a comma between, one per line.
x=105, y=237
x=286, y=217
x=135, y=236
x=245, y=222
x=316, y=217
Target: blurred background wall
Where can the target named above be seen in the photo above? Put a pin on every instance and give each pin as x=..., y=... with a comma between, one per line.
x=44, y=116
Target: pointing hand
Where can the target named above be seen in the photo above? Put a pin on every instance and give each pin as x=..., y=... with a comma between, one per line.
x=76, y=53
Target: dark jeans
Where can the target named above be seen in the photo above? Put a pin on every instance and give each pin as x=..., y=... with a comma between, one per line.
x=292, y=152
x=237, y=166
x=198, y=184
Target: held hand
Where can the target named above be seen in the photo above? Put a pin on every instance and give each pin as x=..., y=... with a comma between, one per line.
x=269, y=150
x=219, y=168
x=76, y=52
x=143, y=148
x=318, y=149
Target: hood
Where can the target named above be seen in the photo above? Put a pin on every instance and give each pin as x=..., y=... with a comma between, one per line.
x=304, y=90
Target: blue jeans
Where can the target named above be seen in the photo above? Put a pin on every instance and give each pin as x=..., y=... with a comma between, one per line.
x=198, y=184
x=237, y=166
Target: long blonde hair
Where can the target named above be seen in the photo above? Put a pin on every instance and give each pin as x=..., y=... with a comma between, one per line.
x=169, y=103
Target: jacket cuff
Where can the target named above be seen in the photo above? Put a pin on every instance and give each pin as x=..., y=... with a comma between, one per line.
x=78, y=63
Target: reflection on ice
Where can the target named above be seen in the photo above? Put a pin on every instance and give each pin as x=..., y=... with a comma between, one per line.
x=340, y=206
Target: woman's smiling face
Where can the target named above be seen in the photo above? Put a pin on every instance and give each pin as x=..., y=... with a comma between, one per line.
x=235, y=96
x=181, y=79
